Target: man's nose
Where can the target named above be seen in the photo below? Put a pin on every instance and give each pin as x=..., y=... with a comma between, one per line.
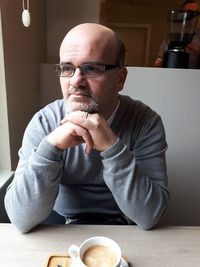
x=77, y=78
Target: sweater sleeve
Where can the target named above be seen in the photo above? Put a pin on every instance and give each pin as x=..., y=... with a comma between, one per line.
x=137, y=177
x=36, y=179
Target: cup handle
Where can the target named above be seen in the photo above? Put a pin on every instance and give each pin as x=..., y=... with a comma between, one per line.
x=73, y=251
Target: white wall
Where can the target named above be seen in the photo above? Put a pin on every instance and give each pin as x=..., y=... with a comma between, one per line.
x=175, y=95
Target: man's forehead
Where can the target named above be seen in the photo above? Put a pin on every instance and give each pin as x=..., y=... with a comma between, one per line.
x=90, y=34
x=69, y=55
x=87, y=47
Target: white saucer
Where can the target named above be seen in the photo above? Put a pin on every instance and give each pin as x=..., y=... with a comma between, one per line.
x=124, y=263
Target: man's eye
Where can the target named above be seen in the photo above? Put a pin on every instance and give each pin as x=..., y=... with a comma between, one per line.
x=92, y=68
x=67, y=68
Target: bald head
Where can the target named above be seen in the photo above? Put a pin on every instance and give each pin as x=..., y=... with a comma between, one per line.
x=96, y=37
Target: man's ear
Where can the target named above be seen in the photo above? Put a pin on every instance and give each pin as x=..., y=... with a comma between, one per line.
x=122, y=77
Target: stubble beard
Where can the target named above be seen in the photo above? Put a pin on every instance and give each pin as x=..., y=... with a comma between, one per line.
x=89, y=106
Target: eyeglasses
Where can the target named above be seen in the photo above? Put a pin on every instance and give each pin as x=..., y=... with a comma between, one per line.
x=90, y=70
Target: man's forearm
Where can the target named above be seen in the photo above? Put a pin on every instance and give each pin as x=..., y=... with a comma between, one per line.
x=142, y=197
x=31, y=196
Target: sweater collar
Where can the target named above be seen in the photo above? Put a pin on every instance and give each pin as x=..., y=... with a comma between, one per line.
x=111, y=118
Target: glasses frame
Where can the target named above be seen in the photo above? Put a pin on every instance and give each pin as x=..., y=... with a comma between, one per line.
x=107, y=67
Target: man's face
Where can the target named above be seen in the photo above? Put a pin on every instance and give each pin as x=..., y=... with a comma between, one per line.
x=98, y=94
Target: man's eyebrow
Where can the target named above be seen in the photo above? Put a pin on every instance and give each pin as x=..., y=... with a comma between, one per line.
x=91, y=62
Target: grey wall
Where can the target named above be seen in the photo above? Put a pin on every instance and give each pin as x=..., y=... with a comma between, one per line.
x=175, y=95
x=24, y=49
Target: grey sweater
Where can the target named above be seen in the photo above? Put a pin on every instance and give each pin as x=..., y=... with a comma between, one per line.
x=130, y=177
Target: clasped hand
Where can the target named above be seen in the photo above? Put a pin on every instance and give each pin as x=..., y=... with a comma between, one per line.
x=77, y=128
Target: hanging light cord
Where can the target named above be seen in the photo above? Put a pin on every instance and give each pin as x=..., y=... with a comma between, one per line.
x=25, y=6
x=26, y=17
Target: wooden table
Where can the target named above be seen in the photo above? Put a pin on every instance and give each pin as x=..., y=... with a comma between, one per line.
x=162, y=247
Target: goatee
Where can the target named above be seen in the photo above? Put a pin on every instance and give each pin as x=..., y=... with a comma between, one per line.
x=90, y=106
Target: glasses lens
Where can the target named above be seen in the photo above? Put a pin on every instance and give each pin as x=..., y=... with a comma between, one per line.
x=65, y=70
x=92, y=70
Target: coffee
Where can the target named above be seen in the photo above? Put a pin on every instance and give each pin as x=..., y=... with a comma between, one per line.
x=96, y=251
x=99, y=256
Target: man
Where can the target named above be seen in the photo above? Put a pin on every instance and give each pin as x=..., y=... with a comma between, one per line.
x=94, y=156
x=193, y=48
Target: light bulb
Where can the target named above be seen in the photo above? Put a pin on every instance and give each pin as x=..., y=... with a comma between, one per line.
x=26, y=18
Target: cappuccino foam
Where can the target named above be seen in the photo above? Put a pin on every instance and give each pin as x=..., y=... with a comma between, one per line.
x=99, y=256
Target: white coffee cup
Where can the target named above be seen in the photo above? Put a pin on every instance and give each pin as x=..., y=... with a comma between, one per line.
x=78, y=253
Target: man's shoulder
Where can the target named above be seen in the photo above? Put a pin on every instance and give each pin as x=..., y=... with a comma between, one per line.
x=50, y=115
x=134, y=104
x=134, y=109
x=57, y=104
x=55, y=107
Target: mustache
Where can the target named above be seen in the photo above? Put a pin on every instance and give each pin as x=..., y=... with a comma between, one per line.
x=73, y=90
x=92, y=107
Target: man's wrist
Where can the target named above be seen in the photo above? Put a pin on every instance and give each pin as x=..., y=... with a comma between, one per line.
x=48, y=150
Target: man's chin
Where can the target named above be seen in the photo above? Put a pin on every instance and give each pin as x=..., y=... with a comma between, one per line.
x=92, y=107
x=74, y=107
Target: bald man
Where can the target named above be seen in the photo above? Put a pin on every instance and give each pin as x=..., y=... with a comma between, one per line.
x=93, y=157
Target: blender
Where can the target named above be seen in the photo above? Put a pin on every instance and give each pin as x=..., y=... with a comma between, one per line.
x=181, y=29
